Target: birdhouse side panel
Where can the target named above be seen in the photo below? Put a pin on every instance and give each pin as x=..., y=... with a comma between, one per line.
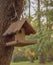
x=20, y=35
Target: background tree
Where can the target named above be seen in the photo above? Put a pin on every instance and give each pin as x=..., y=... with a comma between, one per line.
x=5, y=20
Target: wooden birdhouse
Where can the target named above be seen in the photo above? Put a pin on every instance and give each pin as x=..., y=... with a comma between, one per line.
x=15, y=34
x=50, y=26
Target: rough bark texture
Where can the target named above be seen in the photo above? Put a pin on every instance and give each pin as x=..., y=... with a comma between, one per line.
x=5, y=20
x=41, y=58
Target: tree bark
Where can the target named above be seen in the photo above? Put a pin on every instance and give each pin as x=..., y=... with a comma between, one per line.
x=39, y=16
x=5, y=20
x=41, y=58
x=29, y=8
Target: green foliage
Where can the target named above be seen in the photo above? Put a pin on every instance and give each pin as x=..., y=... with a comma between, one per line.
x=28, y=63
x=44, y=41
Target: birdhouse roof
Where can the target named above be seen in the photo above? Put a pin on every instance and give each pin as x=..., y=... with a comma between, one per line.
x=16, y=26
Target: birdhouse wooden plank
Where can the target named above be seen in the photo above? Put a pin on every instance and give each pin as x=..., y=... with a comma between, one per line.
x=17, y=32
x=21, y=43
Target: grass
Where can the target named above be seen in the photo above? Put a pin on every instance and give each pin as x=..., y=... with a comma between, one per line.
x=29, y=63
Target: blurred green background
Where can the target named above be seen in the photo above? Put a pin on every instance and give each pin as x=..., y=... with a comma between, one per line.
x=40, y=16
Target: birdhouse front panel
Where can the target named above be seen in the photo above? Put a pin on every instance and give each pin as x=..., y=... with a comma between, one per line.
x=20, y=35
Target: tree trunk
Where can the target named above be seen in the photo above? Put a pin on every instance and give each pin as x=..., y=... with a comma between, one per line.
x=41, y=58
x=39, y=16
x=5, y=20
x=29, y=8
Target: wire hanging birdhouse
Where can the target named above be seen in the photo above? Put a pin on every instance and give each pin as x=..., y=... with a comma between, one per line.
x=15, y=34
